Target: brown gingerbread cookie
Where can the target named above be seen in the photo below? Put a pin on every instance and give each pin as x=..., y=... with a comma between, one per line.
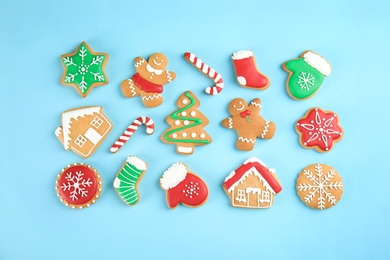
x=248, y=123
x=149, y=80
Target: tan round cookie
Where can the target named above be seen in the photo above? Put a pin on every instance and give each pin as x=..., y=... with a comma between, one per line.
x=78, y=185
x=319, y=186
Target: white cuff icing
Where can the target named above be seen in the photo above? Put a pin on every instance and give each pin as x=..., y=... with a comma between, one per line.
x=317, y=62
x=239, y=55
x=173, y=176
x=137, y=162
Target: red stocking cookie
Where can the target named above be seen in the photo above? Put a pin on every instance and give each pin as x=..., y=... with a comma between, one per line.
x=183, y=187
x=248, y=123
x=248, y=76
x=149, y=79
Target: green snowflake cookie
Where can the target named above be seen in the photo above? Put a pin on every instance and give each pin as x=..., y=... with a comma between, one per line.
x=83, y=69
x=306, y=74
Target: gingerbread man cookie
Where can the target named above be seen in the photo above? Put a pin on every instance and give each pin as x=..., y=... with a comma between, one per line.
x=248, y=123
x=149, y=79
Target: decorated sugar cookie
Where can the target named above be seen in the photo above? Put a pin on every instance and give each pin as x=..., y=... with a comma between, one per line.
x=187, y=125
x=248, y=123
x=127, y=179
x=319, y=129
x=252, y=185
x=84, y=69
x=306, y=74
x=83, y=130
x=142, y=120
x=78, y=186
x=247, y=74
x=319, y=186
x=208, y=71
x=182, y=186
x=149, y=80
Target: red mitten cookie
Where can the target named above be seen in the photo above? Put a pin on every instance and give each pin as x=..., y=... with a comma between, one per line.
x=183, y=187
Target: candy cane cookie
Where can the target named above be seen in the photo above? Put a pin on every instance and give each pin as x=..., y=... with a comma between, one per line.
x=142, y=120
x=206, y=70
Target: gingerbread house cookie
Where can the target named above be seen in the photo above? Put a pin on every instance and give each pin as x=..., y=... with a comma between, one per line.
x=83, y=130
x=252, y=185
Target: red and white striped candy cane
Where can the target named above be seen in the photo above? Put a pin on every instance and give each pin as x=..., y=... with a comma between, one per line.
x=206, y=70
x=142, y=120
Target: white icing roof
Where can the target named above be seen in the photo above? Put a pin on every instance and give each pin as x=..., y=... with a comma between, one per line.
x=68, y=115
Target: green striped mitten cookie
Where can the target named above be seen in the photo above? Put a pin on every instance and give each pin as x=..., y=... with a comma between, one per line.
x=126, y=181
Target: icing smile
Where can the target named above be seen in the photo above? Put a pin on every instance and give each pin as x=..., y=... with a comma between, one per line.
x=155, y=62
x=239, y=109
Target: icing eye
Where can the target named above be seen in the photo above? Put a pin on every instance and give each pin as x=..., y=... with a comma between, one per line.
x=234, y=106
x=161, y=60
x=239, y=102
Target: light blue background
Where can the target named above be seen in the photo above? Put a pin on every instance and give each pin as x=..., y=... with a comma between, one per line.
x=352, y=35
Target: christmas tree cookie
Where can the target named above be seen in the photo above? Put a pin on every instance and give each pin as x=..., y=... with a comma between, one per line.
x=182, y=186
x=187, y=125
x=306, y=74
x=127, y=179
x=84, y=69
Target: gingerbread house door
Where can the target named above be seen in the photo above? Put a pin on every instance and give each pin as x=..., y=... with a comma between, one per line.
x=93, y=136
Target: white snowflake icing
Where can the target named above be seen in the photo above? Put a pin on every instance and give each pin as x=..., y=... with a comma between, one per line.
x=191, y=189
x=322, y=129
x=305, y=80
x=77, y=70
x=77, y=184
x=320, y=184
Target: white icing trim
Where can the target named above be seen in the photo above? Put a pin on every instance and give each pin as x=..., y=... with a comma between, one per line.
x=243, y=177
x=184, y=149
x=58, y=131
x=239, y=55
x=246, y=140
x=137, y=162
x=73, y=114
x=230, y=175
x=318, y=62
x=255, y=160
x=173, y=176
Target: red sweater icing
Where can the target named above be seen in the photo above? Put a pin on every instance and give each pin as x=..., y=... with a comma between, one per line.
x=261, y=169
x=145, y=85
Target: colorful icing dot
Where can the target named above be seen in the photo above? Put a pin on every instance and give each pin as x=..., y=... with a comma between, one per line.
x=202, y=135
x=193, y=135
x=186, y=122
x=184, y=101
x=177, y=122
x=193, y=113
x=184, y=134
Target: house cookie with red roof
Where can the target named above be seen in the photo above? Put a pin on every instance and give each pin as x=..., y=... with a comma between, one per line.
x=252, y=185
x=83, y=130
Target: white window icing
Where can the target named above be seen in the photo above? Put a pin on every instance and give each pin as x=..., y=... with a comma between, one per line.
x=241, y=196
x=97, y=122
x=265, y=196
x=80, y=140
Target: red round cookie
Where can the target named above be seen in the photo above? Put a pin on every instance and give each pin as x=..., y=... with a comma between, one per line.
x=78, y=186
